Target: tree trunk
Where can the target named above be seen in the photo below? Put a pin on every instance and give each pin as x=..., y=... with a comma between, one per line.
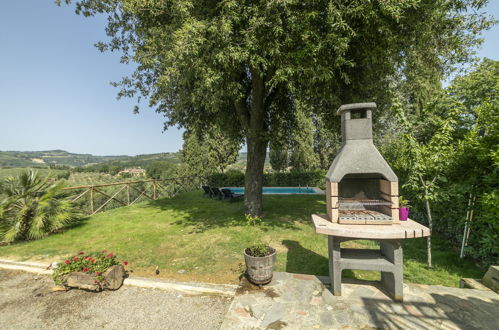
x=254, y=175
x=257, y=146
x=430, y=221
x=430, y=225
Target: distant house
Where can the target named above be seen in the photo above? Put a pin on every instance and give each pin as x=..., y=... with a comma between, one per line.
x=135, y=171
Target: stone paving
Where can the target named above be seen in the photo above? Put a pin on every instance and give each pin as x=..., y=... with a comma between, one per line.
x=295, y=301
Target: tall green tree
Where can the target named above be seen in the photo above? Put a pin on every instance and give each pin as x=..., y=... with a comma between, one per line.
x=446, y=156
x=474, y=168
x=427, y=158
x=223, y=63
x=302, y=156
x=279, y=154
x=327, y=141
x=208, y=152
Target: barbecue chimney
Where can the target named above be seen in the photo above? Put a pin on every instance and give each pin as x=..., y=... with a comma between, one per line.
x=361, y=188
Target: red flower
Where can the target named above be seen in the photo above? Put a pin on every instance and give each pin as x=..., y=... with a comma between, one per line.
x=125, y=263
x=80, y=253
x=103, y=251
x=109, y=255
x=86, y=257
x=98, y=273
x=75, y=259
x=67, y=262
x=85, y=269
x=92, y=260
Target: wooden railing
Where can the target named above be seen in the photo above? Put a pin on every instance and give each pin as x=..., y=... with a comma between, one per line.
x=130, y=192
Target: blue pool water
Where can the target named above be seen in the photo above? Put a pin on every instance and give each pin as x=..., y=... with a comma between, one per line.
x=281, y=190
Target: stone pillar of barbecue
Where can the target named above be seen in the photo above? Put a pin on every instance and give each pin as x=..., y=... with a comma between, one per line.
x=359, y=159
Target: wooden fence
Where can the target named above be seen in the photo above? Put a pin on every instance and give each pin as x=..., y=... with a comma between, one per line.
x=127, y=193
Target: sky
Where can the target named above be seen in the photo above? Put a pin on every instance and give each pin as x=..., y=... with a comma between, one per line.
x=55, y=90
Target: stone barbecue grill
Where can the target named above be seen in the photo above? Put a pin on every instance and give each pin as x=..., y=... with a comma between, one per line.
x=361, y=188
x=362, y=203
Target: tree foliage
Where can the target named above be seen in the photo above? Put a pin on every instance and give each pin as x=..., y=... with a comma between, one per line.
x=160, y=169
x=229, y=63
x=452, y=144
x=32, y=207
x=208, y=152
x=279, y=153
x=303, y=157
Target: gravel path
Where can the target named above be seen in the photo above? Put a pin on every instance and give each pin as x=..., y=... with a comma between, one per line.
x=27, y=302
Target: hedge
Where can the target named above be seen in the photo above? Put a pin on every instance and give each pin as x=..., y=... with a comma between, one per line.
x=233, y=178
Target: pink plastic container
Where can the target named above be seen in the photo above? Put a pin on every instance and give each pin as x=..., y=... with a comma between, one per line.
x=403, y=213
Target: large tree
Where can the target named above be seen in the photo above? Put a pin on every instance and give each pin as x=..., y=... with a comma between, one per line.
x=208, y=152
x=302, y=156
x=225, y=63
x=445, y=155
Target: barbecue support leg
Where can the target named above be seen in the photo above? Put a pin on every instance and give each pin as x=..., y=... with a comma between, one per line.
x=334, y=264
x=393, y=280
x=392, y=275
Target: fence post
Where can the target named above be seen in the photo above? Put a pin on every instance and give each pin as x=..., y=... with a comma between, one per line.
x=154, y=190
x=128, y=194
x=91, y=200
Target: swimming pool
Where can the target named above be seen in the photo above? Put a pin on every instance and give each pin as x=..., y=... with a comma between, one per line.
x=282, y=190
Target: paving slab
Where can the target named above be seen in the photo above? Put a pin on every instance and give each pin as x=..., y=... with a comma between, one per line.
x=296, y=301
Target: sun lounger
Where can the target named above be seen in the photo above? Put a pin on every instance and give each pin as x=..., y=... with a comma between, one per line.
x=227, y=194
x=216, y=193
x=207, y=191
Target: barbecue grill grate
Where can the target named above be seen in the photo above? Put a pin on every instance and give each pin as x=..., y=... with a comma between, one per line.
x=362, y=215
x=346, y=202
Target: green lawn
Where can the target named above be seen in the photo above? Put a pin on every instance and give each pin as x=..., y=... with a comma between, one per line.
x=206, y=238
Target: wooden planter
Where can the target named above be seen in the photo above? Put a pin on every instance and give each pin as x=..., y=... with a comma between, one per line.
x=260, y=269
x=113, y=277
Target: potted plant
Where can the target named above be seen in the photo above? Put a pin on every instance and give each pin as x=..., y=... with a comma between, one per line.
x=93, y=271
x=259, y=258
x=403, y=208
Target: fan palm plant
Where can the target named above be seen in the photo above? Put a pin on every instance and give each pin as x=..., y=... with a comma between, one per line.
x=32, y=207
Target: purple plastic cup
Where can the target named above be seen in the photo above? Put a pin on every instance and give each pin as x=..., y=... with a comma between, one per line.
x=403, y=213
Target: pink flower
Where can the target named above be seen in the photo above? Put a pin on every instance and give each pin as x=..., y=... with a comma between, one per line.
x=67, y=262
x=86, y=257
x=109, y=255
x=75, y=259
x=92, y=260
x=85, y=269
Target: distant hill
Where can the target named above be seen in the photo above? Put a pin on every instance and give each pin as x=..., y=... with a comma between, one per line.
x=62, y=157
x=50, y=157
x=139, y=160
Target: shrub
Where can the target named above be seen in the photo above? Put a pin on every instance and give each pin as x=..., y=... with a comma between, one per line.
x=234, y=178
x=231, y=178
x=258, y=248
x=32, y=207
